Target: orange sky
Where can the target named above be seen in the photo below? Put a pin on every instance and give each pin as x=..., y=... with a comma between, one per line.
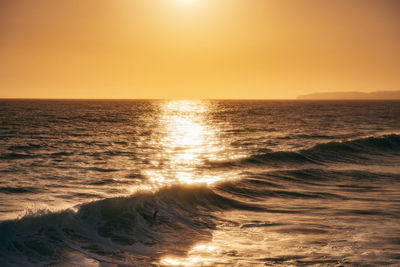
x=197, y=48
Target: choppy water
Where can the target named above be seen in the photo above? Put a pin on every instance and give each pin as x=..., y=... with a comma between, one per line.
x=199, y=183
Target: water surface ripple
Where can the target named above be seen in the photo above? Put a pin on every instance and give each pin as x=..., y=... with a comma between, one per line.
x=199, y=183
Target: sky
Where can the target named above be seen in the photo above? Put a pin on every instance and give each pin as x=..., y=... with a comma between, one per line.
x=219, y=49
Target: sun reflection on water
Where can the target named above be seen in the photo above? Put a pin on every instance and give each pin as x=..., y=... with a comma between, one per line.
x=197, y=256
x=186, y=140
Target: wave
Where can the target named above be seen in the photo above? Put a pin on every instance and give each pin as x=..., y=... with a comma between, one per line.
x=140, y=225
x=18, y=190
x=11, y=156
x=141, y=228
x=353, y=151
x=28, y=146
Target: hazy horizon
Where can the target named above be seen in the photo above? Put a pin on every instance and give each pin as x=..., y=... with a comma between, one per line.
x=342, y=95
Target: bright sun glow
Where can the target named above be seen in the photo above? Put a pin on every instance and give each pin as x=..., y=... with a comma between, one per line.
x=200, y=255
x=187, y=1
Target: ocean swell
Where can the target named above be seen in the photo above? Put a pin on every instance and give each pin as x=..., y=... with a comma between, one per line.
x=353, y=151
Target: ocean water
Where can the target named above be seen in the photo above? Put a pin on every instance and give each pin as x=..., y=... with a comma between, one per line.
x=199, y=183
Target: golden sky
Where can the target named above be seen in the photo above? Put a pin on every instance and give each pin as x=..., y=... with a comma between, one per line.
x=197, y=48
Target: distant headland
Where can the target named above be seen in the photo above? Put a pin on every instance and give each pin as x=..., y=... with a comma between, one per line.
x=378, y=95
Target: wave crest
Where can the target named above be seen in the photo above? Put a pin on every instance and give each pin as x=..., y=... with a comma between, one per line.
x=143, y=224
x=353, y=151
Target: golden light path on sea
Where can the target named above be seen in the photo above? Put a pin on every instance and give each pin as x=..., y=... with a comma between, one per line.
x=185, y=140
x=197, y=256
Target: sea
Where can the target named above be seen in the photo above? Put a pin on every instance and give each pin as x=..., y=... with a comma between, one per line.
x=199, y=183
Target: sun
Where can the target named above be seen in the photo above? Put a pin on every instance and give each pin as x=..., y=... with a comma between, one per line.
x=187, y=1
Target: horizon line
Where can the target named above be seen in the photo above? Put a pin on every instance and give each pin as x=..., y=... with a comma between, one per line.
x=186, y=99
